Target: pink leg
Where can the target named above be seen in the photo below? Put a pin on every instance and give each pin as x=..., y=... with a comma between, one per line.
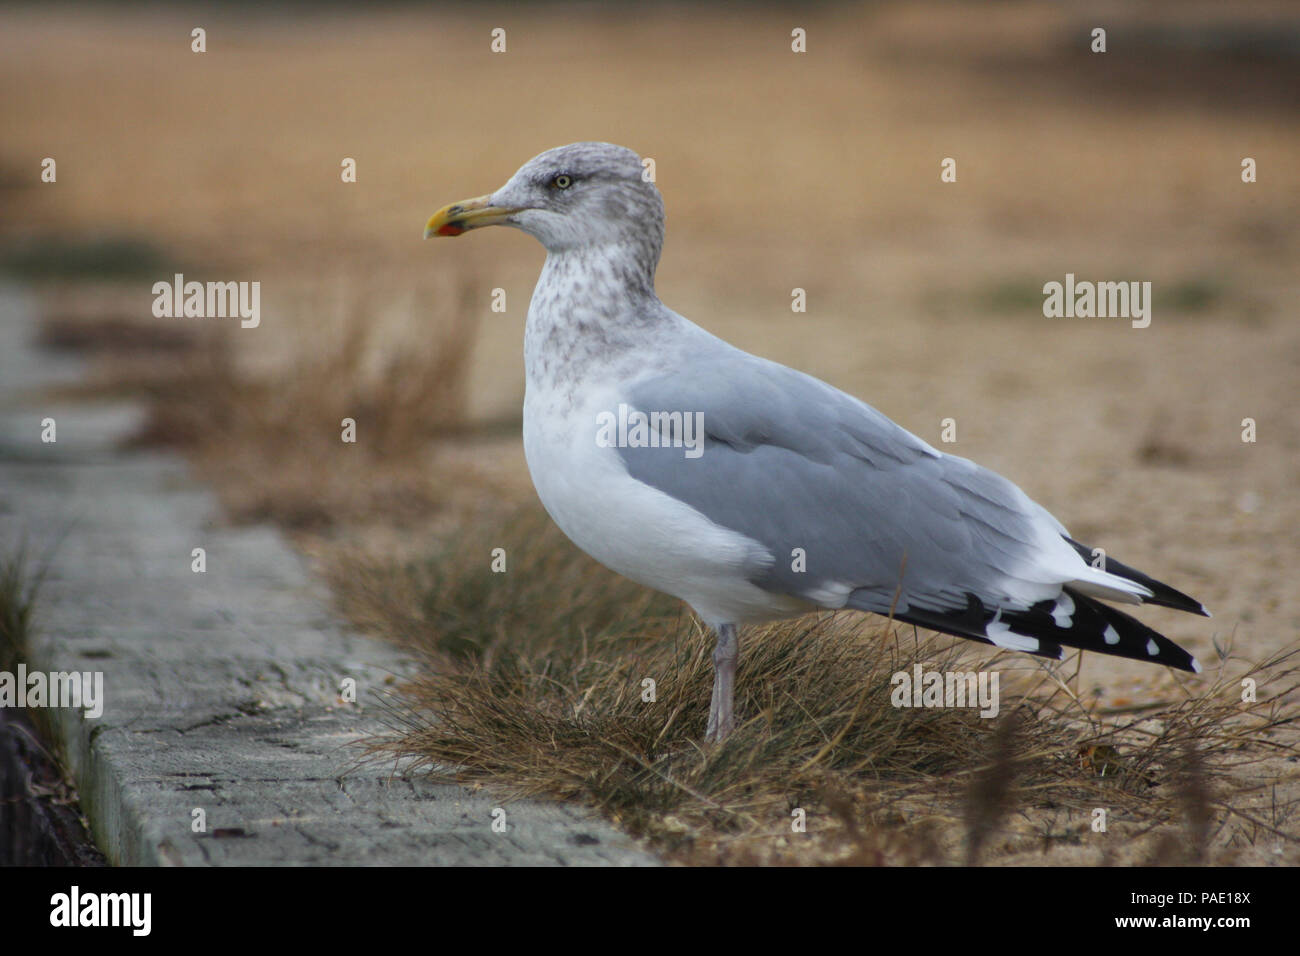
x=722, y=718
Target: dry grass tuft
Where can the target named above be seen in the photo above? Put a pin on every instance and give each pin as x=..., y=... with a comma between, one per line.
x=450, y=604
x=18, y=589
x=271, y=441
x=536, y=685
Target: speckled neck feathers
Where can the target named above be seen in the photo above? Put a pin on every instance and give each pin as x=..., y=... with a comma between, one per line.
x=593, y=308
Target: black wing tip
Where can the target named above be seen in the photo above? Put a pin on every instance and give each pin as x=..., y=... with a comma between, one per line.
x=1093, y=626
x=1165, y=596
x=1161, y=594
x=1134, y=640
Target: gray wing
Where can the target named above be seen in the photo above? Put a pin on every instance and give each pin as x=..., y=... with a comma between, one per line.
x=793, y=463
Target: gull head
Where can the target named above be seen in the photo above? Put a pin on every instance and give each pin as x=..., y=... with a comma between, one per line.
x=571, y=197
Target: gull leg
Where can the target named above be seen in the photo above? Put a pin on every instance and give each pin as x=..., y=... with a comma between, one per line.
x=721, y=710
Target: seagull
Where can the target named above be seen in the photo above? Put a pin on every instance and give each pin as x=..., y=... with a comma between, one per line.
x=749, y=490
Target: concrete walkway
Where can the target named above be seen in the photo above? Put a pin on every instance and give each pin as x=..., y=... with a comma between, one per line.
x=221, y=688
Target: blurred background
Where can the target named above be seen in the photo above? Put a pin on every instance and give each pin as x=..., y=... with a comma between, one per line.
x=780, y=170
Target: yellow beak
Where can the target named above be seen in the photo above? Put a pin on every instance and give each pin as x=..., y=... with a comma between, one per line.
x=466, y=215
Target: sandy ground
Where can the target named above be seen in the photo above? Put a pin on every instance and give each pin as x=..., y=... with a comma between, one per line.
x=818, y=171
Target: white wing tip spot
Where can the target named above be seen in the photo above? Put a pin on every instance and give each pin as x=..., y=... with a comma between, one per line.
x=1063, y=612
x=1196, y=665
x=1002, y=635
x=1110, y=635
x=1152, y=647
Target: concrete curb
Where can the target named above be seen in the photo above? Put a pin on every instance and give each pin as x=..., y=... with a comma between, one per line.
x=221, y=687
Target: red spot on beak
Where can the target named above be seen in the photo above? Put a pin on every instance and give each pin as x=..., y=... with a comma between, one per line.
x=451, y=229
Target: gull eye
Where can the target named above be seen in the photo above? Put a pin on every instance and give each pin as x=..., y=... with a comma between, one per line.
x=562, y=181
